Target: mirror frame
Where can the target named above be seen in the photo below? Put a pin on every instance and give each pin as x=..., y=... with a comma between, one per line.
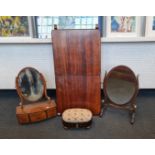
x=23, y=99
x=131, y=104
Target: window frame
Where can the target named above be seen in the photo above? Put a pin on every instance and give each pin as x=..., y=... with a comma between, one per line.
x=100, y=26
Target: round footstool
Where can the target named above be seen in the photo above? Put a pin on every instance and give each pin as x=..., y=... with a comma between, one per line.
x=77, y=118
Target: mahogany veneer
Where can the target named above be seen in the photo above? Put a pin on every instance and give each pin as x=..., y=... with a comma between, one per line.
x=77, y=64
x=35, y=112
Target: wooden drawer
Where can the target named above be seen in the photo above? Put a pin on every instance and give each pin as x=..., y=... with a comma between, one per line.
x=35, y=112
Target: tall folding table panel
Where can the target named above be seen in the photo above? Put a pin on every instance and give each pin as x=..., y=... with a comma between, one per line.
x=77, y=64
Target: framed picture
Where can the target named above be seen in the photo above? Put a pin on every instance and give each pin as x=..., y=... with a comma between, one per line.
x=15, y=26
x=150, y=26
x=123, y=26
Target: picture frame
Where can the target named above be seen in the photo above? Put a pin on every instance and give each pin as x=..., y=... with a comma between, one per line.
x=150, y=26
x=12, y=27
x=122, y=26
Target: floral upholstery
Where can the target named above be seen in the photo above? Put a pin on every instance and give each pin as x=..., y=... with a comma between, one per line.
x=77, y=115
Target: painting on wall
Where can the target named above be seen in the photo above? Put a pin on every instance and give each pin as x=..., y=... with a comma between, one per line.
x=150, y=26
x=122, y=26
x=14, y=26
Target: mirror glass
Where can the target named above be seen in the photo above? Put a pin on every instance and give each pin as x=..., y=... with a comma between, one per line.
x=121, y=86
x=31, y=85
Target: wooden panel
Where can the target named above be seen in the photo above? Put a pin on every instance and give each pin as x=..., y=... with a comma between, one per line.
x=76, y=52
x=77, y=69
x=78, y=92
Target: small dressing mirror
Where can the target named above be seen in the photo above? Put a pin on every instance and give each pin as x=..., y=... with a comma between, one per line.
x=30, y=84
x=34, y=104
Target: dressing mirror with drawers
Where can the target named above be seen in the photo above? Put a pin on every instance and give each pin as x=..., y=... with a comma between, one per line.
x=35, y=105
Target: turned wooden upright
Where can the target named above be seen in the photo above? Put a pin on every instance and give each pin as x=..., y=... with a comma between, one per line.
x=77, y=64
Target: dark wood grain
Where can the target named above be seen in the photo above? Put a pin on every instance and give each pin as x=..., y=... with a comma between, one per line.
x=76, y=52
x=77, y=69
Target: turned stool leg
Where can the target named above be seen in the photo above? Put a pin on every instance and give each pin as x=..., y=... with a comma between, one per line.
x=133, y=113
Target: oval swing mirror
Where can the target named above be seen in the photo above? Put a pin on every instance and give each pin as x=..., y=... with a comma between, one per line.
x=121, y=85
x=30, y=84
x=121, y=88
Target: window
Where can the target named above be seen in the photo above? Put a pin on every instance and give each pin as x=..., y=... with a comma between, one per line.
x=44, y=24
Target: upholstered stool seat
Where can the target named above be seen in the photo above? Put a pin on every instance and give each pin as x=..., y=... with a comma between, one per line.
x=77, y=118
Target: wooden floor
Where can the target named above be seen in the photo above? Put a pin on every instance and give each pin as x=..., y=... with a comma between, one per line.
x=114, y=124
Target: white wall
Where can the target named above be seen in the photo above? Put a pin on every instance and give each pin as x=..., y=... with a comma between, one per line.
x=140, y=56
x=13, y=57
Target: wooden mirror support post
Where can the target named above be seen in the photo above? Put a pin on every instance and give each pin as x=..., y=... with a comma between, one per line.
x=121, y=89
x=77, y=63
x=35, y=105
